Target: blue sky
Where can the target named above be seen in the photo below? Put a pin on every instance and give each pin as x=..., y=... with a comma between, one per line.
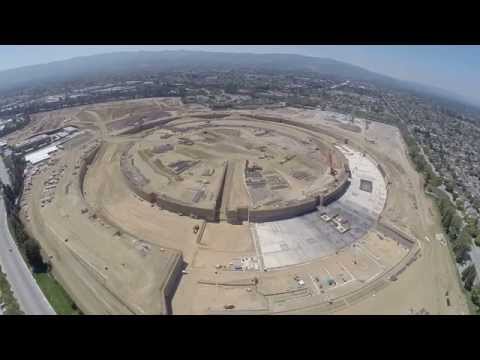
x=454, y=68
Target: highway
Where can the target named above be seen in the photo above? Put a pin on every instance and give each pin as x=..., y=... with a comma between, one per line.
x=4, y=176
x=31, y=299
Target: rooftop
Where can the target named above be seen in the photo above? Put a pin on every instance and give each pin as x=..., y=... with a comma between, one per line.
x=40, y=155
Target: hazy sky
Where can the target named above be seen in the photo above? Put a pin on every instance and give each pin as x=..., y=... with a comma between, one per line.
x=454, y=68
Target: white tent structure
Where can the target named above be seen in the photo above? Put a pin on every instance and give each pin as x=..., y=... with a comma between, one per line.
x=40, y=155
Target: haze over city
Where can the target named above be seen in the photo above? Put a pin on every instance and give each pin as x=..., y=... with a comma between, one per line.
x=453, y=68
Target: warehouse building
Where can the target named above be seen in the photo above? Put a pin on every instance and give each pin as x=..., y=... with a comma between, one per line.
x=40, y=155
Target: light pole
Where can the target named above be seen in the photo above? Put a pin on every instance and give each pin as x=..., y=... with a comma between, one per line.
x=354, y=253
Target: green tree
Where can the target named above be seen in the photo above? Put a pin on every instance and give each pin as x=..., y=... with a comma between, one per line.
x=475, y=232
x=443, y=205
x=231, y=87
x=468, y=276
x=476, y=203
x=465, y=237
x=455, y=226
x=475, y=296
x=477, y=240
x=449, y=186
x=436, y=181
x=461, y=251
x=471, y=221
x=447, y=218
x=34, y=257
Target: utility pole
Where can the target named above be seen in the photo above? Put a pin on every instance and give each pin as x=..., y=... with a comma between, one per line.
x=354, y=254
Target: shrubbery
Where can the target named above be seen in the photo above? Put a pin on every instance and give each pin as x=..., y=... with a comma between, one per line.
x=461, y=233
x=27, y=246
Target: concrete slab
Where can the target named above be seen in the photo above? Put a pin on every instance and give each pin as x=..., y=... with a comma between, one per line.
x=308, y=237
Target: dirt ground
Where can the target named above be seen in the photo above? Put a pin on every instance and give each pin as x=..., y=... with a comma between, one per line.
x=423, y=285
x=117, y=262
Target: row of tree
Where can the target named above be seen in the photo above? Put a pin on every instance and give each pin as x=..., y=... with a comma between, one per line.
x=461, y=232
x=460, y=235
x=28, y=246
x=421, y=164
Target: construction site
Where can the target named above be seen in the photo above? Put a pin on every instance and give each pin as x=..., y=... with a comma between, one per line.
x=152, y=206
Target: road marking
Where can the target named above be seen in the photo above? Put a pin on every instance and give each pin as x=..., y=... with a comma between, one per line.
x=371, y=258
x=371, y=253
x=253, y=233
x=346, y=270
x=372, y=277
x=328, y=272
x=343, y=284
x=420, y=244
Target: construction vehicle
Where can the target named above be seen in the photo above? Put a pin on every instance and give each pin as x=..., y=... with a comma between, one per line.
x=196, y=228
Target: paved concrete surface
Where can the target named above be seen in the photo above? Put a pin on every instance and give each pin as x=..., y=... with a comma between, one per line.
x=364, y=168
x=305, y=238
x=25, y=288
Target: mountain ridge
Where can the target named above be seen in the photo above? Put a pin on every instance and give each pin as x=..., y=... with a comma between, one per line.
x=120, y=63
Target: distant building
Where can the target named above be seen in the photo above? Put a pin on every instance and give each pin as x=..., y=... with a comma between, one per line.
x=70, y=129
x=54, y=99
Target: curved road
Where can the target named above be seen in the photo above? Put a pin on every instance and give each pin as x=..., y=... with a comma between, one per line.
x=31, y=299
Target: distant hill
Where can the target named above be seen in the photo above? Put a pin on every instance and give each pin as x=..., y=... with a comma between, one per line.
x=124, y=63
x=448, y=96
